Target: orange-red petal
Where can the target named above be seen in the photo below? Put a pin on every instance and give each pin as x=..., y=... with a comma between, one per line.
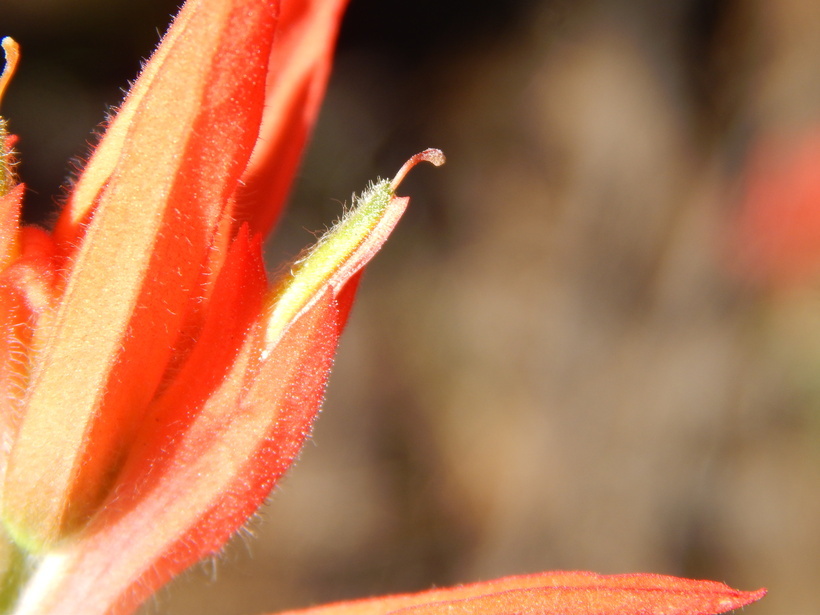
x=558, y=593
x=299, y=69
x=156, y=197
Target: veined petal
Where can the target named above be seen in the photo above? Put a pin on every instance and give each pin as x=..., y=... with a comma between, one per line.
x=205, y=485
x=299, y=69
x=558, y=593
x=156, y=194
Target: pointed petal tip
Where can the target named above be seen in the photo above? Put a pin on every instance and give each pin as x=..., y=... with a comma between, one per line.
x=757, y=594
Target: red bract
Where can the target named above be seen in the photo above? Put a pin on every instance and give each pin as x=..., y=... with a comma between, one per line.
x=154, y=385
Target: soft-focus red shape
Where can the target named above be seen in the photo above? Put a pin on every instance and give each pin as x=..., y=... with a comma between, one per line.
x=558, y=593
x=776, y=234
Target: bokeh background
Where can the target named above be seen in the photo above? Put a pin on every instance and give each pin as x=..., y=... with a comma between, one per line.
x=576, y=352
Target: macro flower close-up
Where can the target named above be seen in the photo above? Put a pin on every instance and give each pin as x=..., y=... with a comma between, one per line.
x=157, y=379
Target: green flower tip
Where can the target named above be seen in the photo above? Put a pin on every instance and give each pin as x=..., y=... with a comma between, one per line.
x=345, y=248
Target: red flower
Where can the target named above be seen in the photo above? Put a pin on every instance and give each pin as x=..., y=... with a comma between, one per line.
x=154, y=386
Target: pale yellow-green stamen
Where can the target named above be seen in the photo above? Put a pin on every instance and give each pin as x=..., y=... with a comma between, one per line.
x=344, y=249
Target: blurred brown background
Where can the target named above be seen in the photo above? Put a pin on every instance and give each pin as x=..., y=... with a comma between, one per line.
x=550, y=365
